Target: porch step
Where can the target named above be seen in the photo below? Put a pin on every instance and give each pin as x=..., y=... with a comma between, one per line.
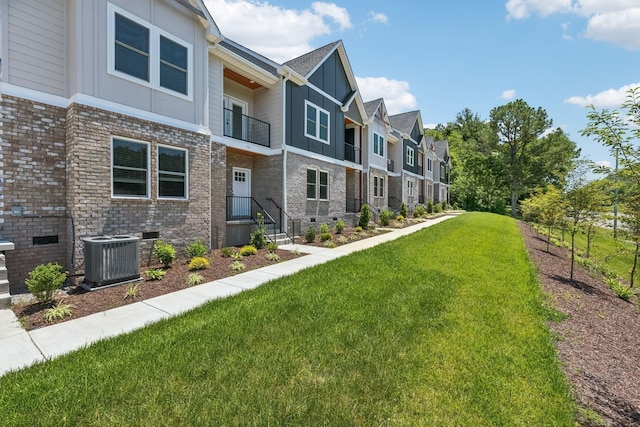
x=5, y=297
x=280, y=239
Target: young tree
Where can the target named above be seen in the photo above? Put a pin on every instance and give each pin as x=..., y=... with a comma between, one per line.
x=631, y=209
x=547, y=206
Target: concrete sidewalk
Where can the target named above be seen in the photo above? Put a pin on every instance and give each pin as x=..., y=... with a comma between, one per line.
x=19, y=348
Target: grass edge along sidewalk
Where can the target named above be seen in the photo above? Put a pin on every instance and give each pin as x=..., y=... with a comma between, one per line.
x=442, y=327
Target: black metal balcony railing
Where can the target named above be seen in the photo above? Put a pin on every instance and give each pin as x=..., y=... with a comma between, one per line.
x=352, y=153
x=245, y=128
x=390, y=165
x=421, y=170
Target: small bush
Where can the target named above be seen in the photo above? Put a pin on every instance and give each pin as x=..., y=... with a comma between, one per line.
x=419, y=211
x=325, y=237
x=198, y=263
x=342, y=240
x=358, y=229
x=196, y=249
x=437, y=208
x=60, y=311
x=403, y=210
x=339, y=226
x=400, y=218
x=237, y=256
x=324, y=228
x=365, y=216
x=194, y=279
x=155, y=273
x=226, y=252
x=132, y=291
x=272, y=256
x=385, y=217
x=429, y=207
x=272, y=246
x=248, y=250
x=445, y=205
x=44, y=280
x=258, y=238
x=330, y=244
x=310, y=235
x=164, y=252
x=621, y=290
x=237, y=266
x=296, y=252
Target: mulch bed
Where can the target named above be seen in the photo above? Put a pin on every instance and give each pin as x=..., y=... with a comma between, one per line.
x=31, y=313
x=599, y=342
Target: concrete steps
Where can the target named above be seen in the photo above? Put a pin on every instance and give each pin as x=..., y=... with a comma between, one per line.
x=5, y=297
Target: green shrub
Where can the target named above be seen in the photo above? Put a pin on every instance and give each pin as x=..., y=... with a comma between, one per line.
x=132, y=291
x=226, y=252
x=310, y=235
x=272, y=256
x=342, y=240
x=326, y=236
x=164, y=252
x=196, y=249
x=330, y=244
x=198, y=263
x=237, y=256
x=364, y=217
x=358, y=229
x=248, y=250
x=445, y=206
x=339, y=226
x=258, y=238
x=155, y=273
x=400, y=218
x=44, y=280
x=324, y=228
x=194, y=279
x=272, y=246
x=419, y=211
x=403, y=210
x=237, y=266
x=429, y=207
x=60, y=311
x=385, y=217
x=621, y=290
x=437, y=208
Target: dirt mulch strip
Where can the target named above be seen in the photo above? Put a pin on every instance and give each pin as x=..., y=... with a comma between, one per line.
x=599, y=342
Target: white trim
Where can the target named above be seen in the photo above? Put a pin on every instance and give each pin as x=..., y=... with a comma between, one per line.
x=245, y=146
x=325, y=94
x=317, y=183
x=382, y=156
x=323, y=158
x=148, y=190
x=378, y=167
x=154, y=53
x=415, y=175
x=413, y=156
x=186, y=172
x=247, y=175
x=34, y=95
x=319, y=110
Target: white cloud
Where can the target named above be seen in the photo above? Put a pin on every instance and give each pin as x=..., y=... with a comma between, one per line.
x=612, y=21
x=397, y=97
x=608, y=98
x=268, y=29
x=380, y=18
x=508, y=94
x=604, y=164
x=430, y=125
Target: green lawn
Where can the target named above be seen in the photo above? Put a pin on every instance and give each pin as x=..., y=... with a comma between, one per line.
x=443, y=327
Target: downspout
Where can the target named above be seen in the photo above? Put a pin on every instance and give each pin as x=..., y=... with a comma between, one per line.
x=284, y=140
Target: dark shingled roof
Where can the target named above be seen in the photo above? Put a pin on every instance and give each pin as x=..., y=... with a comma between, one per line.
x=372, y=106
x=249, y=55
x=307, y=62
x=354, y=112
x=441, y=148
x=404, y=122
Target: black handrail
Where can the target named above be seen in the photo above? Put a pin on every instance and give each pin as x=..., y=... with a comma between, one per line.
x=246, y=128
x=247, y=208
x=290, y=221
x=395, y=203
x=352, y=153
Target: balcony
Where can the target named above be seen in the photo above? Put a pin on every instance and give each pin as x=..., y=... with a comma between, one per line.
x=421, y=170
x=390, y=165
x=352, y=153
x=246, y=128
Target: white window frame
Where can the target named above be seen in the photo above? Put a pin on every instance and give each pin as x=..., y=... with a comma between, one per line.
x=409, y=188
x=186, y=173
x=378, y=186
x=378, y=144
x=318, y=184
x=154, y=53
x=411, y=155
x=148, y=171
x=319, y=110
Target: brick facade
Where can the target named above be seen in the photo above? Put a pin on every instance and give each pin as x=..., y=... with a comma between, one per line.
x=57, y=167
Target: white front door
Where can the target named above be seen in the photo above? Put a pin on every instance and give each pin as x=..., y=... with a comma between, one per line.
x=241, y=192
x=234, y=118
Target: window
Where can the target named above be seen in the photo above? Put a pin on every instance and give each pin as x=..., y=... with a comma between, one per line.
x=317, y=184
x=316, y=123
x=410, y=156
x=378, y=186
x=378, y=144
x=129, y=168
x=144, y=53
x=172, y=172
x=429, y=165
x=410, y=188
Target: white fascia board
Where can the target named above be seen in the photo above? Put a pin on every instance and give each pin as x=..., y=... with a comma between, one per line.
x=242, y=65
x=322, y=158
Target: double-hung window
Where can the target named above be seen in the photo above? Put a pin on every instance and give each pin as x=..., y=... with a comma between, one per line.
x=410, y=156
x=378, y=186
x=316, y=122
x=129, y=168
x=429, y=165
x=317, y=184
x=172, y=172
x=378, y=144
x=410, y=188
x=146, y=54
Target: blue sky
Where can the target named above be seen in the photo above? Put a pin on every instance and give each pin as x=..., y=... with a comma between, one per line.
x=443, y=56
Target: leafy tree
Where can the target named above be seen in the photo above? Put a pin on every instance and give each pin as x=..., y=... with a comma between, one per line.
x=631, y=209
x=545, y=206
x=517, y=126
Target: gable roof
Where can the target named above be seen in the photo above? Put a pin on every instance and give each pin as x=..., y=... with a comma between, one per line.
x=442, y=150
x=305, y=64
x=200, y=9
x=356, y=112
x=372, y=107
x=404, y=122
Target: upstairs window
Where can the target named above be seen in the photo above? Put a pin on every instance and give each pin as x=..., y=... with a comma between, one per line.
x=172, y=173
x=429, y=164
x=316, y=123
x=129, y=168
x=146, y=54
x=378, y=145
x=410, y=156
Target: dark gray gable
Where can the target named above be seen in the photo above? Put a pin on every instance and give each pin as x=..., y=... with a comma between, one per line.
x=331, y=78
x=304, y=64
